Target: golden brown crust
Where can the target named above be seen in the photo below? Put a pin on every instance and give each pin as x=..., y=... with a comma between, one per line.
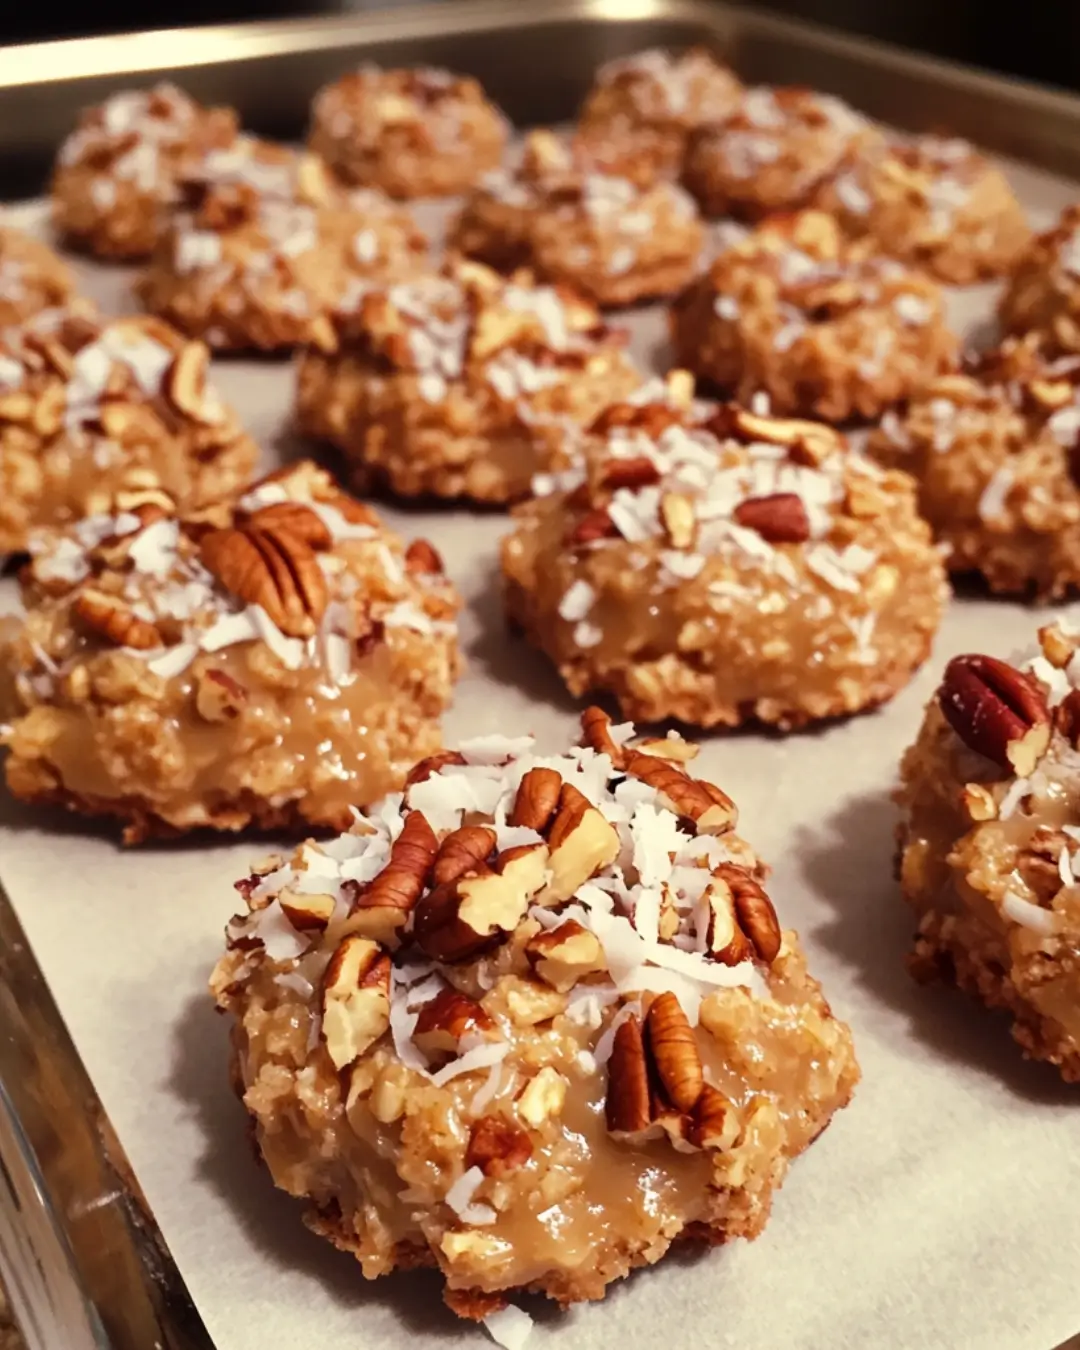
x=932, y=202
x=614, y=241
x=116, y=175
x=641, y=111
x=32, y=277
x=274, y=659
x=461, y=385
x=773, y=152
x=410, y=133
x=66, y=450
x=1043, y=293
x=992, y=452
x=353, y=1068
x=822, y=328
x=265, y=251
x=749, y=591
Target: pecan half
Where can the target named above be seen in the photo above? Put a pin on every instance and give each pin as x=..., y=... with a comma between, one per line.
x=110, y=618
x=463, y=850
x=564, y=955
x=582, y=843
x=382, y=907
x=298, y=519
x=596, y=733
x=627, y=1107
x=779, y=518
x=753, y=909
x=537, y=798
x=997, y=711
x=711, y=810
x=674, y=1051
x=272, y=568
x=714, y=1123
x=1067, y=717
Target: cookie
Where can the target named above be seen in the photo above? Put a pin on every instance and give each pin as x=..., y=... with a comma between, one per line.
x=932, y=202
x=462, y=384
x=642, y=110
x=116, y=175
x=773, y=152
x=615, y=242
x=726, y=567
x=554, y=1089
x=821, y=326
x=272, y=661
x=92, y=407
x=411, y=133
x=1043, y=292
x=993, y=451
x=988, y=841
x=266, y=245
x=32, y=277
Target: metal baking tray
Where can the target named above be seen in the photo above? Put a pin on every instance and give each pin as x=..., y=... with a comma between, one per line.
x=80, y=1252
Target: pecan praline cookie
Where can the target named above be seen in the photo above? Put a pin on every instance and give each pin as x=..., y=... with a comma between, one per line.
x=823, y=328
x=989, y=841
x=773, y=152
x=463, y=384
x=933, y=202
x=1043, y=292
x=261, y=253
x=273, y=661
x=116, y=175
x=616, y=242
x=545, y=999
x=722, y=567
x=642, y=110
x=93, y=407
x=32, y=277
x=411, y=133
x=993, y=449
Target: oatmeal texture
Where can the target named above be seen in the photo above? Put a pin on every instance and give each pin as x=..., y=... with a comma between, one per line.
x=773, y=152
x=267, y=246
x=932, y=202
x=273, y=660
x=116, y=175
x=821, y=326
x=462, y=384
x=725, y=567
x=615, y=242
x=530, y=1023
x=989, y=841
x=411, y=133
x=1043, y=293
x=993, y=449
x=32, y=277
x=90, y=407
x=642, y=110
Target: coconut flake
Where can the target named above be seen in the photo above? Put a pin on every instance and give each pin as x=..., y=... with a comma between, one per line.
x=228, y=630
x=1023, y=912
x=495, y=749
x=577, y=601
x=289, y=651
x=486, y=1094
x=279, y=938
x=460, y=1195
x=480, y=1057
x=174, y=661
x=995, y=494
x=509, y=1327
x=1013, y=797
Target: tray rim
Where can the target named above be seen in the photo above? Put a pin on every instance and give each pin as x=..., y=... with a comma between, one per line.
x=160, y=1311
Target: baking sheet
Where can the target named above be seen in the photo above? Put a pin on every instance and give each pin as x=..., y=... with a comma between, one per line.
x=938, y=1210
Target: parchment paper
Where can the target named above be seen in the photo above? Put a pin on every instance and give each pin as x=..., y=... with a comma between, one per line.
x=940, y=1210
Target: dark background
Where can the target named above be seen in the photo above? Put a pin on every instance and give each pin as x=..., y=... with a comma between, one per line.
x=1039, y=39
